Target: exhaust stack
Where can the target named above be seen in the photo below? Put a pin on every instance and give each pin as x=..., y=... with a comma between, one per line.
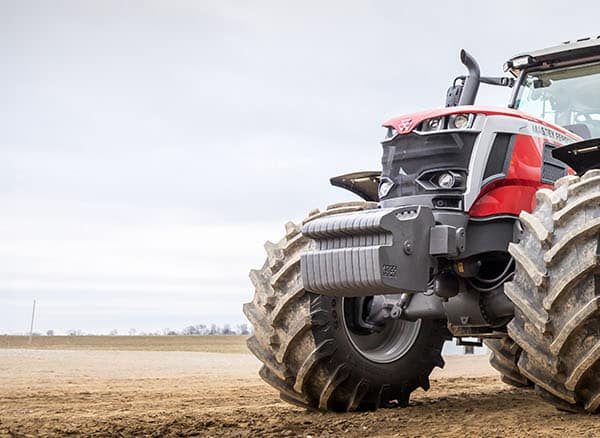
x=471, y=84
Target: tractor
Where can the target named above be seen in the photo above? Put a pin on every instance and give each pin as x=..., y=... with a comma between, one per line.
x=482, y=225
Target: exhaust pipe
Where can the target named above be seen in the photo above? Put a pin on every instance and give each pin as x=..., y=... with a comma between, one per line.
x=471, y=85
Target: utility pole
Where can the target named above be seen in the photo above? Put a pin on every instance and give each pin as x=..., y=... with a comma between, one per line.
x=31, y=327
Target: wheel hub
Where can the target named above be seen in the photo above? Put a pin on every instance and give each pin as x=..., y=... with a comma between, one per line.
x=385, y=343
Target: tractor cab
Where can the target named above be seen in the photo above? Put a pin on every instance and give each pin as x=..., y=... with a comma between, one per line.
x=560, y=85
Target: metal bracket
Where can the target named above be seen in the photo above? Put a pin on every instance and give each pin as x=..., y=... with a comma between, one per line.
x=446, y=240
x=464, y=343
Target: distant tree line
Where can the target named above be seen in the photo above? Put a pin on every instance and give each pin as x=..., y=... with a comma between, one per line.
x=190, y=330
x=195, y=330
x=226, y=329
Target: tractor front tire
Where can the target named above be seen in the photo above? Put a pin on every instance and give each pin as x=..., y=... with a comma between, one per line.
x=307, y=351
x=556, y=293
x=504, y=357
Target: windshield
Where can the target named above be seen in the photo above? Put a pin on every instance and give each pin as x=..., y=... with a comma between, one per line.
x=568, y=97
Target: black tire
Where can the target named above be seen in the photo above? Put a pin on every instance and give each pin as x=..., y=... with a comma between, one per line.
x=556, y=292
x=504, y=357
x=306, y=351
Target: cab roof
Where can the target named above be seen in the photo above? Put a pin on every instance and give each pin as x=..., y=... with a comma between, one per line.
x=580, y=51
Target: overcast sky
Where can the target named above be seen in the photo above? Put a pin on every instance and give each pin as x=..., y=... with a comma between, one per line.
x=149, y=148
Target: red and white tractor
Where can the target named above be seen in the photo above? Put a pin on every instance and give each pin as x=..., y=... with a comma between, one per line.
x=483, y=225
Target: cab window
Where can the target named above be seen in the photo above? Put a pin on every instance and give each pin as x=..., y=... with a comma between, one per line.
x=568, y=97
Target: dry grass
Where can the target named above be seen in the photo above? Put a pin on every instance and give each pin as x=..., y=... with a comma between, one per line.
x=211, y=344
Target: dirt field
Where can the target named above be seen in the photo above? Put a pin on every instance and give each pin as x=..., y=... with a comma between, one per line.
x=59, y=392
x=211, y=344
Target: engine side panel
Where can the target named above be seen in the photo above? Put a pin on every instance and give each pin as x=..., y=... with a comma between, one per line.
x=516, y=190
x=529, y=166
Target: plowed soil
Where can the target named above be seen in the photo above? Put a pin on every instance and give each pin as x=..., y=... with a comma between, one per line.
x=147, y=393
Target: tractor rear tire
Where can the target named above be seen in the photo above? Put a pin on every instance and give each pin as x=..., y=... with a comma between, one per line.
x=504, y=357
x=556, y=293
x=309, y=355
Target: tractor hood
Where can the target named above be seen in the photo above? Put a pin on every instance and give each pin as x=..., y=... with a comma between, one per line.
x=409, y=123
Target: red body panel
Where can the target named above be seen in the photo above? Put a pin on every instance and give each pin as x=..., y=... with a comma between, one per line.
x=515, y=192
x=505, y=199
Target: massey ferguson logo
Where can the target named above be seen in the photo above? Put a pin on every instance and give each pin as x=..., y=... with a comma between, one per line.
x=404, y=125
x=550, y=133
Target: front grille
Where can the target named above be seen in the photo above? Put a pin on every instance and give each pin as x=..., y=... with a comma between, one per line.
x=406, y=157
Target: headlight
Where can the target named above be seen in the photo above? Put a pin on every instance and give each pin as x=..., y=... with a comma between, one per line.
x=521, y=61
x=455, y=121
x=450, y=179
x=385, y=185
x=459, y=121
x=446, y=180
x=433, y=124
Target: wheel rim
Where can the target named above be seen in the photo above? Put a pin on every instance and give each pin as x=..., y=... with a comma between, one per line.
x=388, y=345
